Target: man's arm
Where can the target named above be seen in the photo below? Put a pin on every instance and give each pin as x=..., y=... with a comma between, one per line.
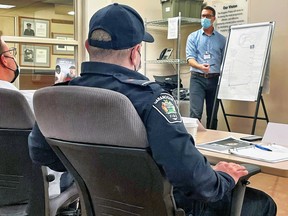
x=185, y=167
x=41, y=152
x=203, y=67
x=192, y=53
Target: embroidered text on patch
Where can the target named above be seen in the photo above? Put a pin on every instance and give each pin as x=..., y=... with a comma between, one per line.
x=166, y=106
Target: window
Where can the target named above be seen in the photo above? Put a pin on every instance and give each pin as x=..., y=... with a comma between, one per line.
x=45, y=35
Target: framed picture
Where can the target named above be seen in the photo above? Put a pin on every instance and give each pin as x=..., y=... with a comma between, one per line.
x=31, y=27
x=35, y=55
x=62, y=49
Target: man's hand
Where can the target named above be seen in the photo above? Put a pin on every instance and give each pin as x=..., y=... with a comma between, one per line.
x=205, y=68
x=236, y=171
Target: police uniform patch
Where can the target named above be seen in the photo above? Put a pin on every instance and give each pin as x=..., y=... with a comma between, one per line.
x=166, y=106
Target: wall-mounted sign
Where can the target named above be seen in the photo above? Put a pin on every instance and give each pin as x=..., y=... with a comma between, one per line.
x=228, y=13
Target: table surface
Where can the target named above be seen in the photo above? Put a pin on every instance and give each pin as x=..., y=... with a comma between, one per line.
x=277, y=169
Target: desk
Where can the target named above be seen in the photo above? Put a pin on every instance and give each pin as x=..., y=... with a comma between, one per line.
x=277, y=169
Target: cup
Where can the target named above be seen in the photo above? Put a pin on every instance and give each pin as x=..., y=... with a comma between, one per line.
x=191, y=126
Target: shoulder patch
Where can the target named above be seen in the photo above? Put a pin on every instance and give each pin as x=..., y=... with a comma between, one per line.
x=166, y=106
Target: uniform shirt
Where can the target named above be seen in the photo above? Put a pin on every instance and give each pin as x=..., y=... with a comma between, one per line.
x=29, y=32
x=172, y=147
x=206, y=49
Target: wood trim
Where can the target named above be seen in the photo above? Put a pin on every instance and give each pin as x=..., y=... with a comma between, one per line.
x=69, y=22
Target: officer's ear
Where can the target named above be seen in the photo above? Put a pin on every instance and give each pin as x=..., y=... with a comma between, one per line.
x=135, y=53
x=87, y=46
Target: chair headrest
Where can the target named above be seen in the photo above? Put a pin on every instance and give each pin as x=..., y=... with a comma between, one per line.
x=15, y=112
x=88, y=115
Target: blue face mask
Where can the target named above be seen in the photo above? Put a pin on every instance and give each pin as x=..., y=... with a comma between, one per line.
x=206, y=23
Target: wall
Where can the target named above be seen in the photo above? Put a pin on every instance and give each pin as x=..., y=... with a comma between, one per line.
x=151, y=11
x=259, y=11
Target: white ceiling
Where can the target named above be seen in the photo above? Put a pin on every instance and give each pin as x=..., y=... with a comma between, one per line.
x=61, y=6
x=66, y=2
x=25, y=3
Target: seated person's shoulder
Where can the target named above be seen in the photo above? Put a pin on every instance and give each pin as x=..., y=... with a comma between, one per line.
x=62, y=83
x=167, y=107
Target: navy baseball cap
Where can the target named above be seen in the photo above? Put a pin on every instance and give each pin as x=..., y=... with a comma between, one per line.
x=123, y=23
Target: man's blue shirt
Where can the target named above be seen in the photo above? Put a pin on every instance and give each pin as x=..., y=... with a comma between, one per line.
x=200, y=45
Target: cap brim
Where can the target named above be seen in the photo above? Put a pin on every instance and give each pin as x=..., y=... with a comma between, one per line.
x=148, y=37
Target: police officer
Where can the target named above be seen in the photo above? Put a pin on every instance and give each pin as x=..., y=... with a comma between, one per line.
x=114, y=46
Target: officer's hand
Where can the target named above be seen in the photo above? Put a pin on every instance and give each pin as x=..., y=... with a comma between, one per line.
x=236, y=171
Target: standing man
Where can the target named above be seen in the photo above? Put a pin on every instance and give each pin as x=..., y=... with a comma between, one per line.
x=204, y=54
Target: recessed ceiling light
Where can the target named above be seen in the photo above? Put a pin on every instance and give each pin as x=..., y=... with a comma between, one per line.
x=71, y=13
x=2, y=6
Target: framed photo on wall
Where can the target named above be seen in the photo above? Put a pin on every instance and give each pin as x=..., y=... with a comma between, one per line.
x=35, y=55
x=62, y=49
x=31, y=27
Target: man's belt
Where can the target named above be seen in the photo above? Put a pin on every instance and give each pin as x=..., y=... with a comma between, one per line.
x=206, y=75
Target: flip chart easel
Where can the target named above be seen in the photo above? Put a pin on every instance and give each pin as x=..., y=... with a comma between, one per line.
x=243, y=68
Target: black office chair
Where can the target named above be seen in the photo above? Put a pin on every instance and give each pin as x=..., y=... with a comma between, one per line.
x=102, y=141
x=23, y=185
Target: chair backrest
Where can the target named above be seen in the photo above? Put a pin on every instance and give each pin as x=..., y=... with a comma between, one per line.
x=102, y=141
x=23, y=184
x=17, y=173
x=15, y=111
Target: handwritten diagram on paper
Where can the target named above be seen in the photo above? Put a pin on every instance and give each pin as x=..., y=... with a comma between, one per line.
x=244, y=62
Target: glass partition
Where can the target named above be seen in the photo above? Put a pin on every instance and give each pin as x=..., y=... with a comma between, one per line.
x=44, y=34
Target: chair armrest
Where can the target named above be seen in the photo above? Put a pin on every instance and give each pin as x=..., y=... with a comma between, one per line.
x=252, y=170
x=177, y=211
x=239, y=190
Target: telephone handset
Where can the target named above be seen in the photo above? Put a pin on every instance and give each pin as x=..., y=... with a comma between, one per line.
x=165, y=53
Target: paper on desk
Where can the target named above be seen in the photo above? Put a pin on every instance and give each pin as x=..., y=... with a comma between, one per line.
x=278, y=153
x=277, y=148
x=241, y=148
